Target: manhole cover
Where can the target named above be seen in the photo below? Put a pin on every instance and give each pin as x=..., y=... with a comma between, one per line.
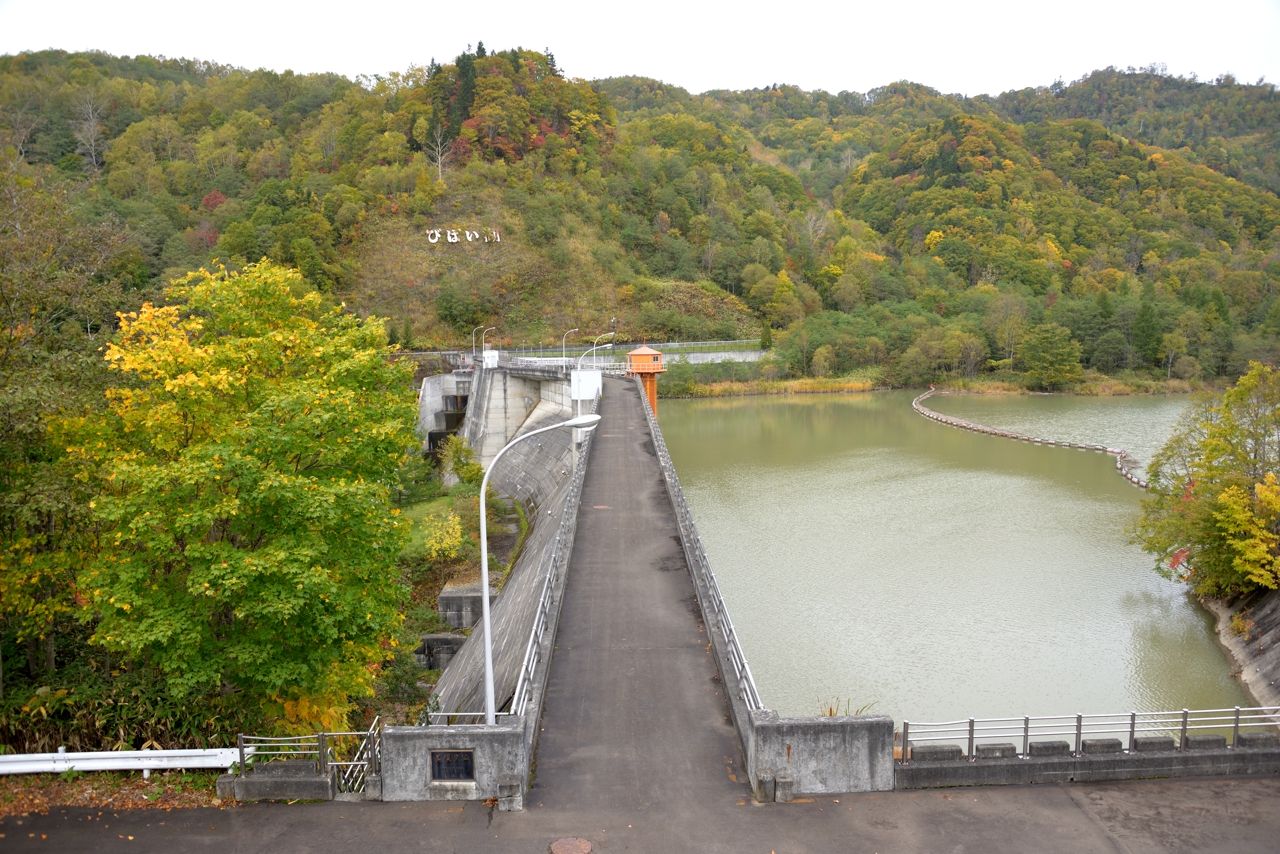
x=572, y=845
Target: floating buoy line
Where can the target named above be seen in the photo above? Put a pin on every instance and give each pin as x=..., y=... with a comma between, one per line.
x=1125, y=463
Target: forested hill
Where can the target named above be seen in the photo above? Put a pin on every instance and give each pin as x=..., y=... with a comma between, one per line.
x=902, y=229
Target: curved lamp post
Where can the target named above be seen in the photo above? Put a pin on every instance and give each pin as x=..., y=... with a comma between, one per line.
x=582, y=421
x=482, y=334
x=608, y=346
x=597, y=341
x=473, y=342
x=564, y=361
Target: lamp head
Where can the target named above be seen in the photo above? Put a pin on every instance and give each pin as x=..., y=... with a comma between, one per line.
x=588, y=420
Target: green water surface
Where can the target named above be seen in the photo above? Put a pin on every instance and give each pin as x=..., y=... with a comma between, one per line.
x=870, y=555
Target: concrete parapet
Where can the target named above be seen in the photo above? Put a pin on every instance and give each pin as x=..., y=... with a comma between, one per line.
x=825, y=755
x=1257, y=740
x=1153, y=744
x=1090, y=746
x=290, y=780
x=1095, y=767
x=407, y=761
x=995, y=751
x=936, y=752
x=1206, y=742
x=1049, y=748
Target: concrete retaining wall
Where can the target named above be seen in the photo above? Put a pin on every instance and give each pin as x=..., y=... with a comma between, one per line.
x=1087, y=768
x=1257, y=652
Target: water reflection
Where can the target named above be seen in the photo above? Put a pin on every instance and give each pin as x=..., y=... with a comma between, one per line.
x=869, y=554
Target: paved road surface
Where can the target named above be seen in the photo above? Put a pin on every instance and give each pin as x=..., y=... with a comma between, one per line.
x=637, y=753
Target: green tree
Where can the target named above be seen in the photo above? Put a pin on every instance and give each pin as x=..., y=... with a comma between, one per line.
x=1146, y=332
x=1051, y=357
x=57, y=296
x=1109, y=352
x=1172, y=345
x=1212, y=517
x=243, y=473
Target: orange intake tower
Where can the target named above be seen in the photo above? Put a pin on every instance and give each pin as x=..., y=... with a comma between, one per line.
x=646, y=363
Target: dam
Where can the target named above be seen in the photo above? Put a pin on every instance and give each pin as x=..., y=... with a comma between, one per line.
x=635, y=662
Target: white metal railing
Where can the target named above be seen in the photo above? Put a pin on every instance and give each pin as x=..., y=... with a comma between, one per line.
x=573, y=352
x=352, y=757
x=561, y=550
x=700, y=568
x=1130, y=725
x=118, y=760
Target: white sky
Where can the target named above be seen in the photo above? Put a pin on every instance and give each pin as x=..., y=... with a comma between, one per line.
x=951, y=46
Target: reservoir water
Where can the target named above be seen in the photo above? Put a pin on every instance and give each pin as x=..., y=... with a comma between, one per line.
x=871, y=556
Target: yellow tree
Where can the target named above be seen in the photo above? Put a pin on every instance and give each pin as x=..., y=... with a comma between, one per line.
x=243, y=476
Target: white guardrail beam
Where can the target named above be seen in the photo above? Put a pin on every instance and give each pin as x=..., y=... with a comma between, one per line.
x=118, y=760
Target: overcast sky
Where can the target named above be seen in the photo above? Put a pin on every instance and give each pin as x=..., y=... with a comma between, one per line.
x=951, y=46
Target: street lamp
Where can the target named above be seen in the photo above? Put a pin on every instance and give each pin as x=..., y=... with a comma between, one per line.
x=563, y=360
x=597, y=341
x=582, y=421
x=473, y=342
x=482, y=334
x=577, y=403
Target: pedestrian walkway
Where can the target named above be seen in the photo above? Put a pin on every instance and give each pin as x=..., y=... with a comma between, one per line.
x=635, y=713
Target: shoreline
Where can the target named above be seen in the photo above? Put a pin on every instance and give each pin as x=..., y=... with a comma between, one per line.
x=850, y=385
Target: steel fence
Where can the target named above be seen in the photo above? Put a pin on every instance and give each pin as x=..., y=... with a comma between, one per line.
x=1128, y=725
x=572, y=352
x=700, y=568
x=352, y=757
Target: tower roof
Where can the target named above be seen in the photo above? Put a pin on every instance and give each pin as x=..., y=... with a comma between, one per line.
x=644, y=350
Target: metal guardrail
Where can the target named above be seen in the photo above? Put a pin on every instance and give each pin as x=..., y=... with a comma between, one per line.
x=561, y=551
x=1132, y=725
x=700, y=568
x=352, y=757
x=117, y=760
x=674, y=347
